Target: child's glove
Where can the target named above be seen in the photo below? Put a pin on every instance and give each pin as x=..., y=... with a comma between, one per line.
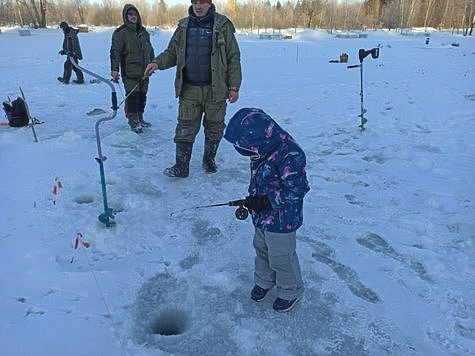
x=258, y=204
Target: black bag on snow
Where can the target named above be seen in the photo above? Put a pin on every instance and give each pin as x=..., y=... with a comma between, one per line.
x=16, y=111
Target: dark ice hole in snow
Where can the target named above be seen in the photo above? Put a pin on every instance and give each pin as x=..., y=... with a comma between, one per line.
x=169, y=322
x=84, y=199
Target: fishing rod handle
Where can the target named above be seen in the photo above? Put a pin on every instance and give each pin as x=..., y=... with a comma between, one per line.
x=239, y=202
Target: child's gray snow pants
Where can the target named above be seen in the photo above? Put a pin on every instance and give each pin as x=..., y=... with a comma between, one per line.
x=277, y=264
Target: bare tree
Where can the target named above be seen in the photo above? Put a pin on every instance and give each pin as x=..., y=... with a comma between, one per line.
x=253, y=10
x=81, y=9
x=158, y=14
x=7, y=12
x=31, y=12
x=43, y=13
x=468, y=17
x=391, y=16
x=430, y=5
x=310, y=9
x=278, y=15
x=374, y=8
x=35, y=14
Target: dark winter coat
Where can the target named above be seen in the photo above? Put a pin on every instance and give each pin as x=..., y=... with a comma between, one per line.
x=278, y=173
x=71, y=45
x=131, y=49
x=225, y=57
x=199, y=45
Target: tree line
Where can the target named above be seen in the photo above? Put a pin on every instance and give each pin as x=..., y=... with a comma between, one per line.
x=458, y=15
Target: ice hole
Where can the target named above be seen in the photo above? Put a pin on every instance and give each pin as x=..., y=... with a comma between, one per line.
x=84, y=199
x=169, y=322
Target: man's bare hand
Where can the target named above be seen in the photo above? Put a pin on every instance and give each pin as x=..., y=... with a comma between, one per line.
x=233, y=96
x=151, y=68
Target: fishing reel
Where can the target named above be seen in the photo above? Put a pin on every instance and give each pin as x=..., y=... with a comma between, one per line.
x=241, y=213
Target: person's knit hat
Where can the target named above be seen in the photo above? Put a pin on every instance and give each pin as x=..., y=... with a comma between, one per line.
x=63, y=25
x=208, y=1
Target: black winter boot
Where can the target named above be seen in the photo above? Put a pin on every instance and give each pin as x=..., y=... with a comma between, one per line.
x=181, y=168
x=80, y=77
x=209, y=164
x=142, y=122
x=134, y=123
x=61, y=79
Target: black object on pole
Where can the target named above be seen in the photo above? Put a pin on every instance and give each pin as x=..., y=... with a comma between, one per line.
x=362, y=54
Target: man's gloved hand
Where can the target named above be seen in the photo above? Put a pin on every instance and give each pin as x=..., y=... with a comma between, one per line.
x=258, y=204
x=62, y=52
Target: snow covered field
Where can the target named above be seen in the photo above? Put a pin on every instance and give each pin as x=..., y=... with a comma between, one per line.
x=387, y=248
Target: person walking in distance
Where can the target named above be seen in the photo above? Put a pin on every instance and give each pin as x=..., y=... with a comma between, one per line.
x=130, y=52
x=208, y=72
x=72, y=49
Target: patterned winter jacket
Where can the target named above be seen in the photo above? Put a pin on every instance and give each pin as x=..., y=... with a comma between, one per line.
x=225, y=57
x=278, y=172
x=131, y=48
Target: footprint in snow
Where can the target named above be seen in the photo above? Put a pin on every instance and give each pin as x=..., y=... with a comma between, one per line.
x=376, y=243
x=345, y=273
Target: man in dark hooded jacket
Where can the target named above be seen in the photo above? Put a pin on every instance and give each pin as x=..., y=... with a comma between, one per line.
x=208, y=72
x=276, y=191
x=72, y=49
x=131, y=51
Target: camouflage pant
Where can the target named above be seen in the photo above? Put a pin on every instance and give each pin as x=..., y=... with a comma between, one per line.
x=135, y=102
x=194, y=102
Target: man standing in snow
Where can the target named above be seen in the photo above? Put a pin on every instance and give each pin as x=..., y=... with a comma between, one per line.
x=71, y=48
x=131, y=50
x=277, y=188
x=208, y=61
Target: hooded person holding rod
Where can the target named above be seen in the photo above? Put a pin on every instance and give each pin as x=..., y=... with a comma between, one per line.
x=276, y=191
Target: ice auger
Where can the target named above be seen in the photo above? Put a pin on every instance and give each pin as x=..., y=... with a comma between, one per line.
x=362, y=54
x=107, y=217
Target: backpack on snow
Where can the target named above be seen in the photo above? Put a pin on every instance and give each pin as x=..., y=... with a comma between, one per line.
x=16, y=112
